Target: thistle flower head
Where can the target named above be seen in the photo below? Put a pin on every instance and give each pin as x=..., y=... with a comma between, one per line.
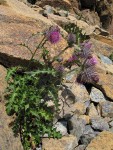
x=71, y=39
x=89, y=75
x=53, y=34
x=85, y=49
x=91, y=62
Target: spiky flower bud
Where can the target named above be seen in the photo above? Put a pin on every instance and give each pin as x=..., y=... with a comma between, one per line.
x=89, y=75
x=91, y=62
x=86, y=49
x=53, y=34
x=71, y=39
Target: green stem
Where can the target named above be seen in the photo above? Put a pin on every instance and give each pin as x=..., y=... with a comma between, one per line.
x=59, y=54
x=37, y=48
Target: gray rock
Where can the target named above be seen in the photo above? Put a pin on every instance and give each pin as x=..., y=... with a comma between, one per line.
x=92, y=111
x=63, y=13
x=48, y=9
x=88, y=130
x=76, y=126
x=88, y=135
x=96, y=95
x=105, y=59
x=111, y=129
x=80, y=147
x=62, y=127
x=107, y=109
x=86, y=139
x=111, y=123
x=99, y=123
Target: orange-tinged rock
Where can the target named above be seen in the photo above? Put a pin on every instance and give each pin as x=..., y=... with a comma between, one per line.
x=104, y=141
x=16, y=28
x=65, y=143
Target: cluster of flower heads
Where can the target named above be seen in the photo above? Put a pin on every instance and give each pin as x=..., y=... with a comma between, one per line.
x=88, y=73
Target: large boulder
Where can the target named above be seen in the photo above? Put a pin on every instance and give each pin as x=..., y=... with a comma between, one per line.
x=18, y=23
x=104, y=141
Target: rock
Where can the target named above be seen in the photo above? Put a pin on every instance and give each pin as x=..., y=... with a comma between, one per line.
x=88, y=130
x=86, y=139
x=96, y=95
x=107, y=109
x=92, y=112
x=57, y=4
x=7, y=139
x=62, y=127
x=3, y=83
x=87, y=136
x=48, y=9
x=73, y=98
x=23, y=23
x=105, y=84
x=80, y=92
x=79, y=108
x=102, y=45
x=91, y=17
x=99, y=123
x=63, y=13
x=85, y=118
x=99, y=142
x=105, y=59
x=80, y=147
x=76, y=126
x=111, y=123
x=65, y=143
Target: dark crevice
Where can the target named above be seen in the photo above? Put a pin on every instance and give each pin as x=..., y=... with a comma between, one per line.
x=32, y=1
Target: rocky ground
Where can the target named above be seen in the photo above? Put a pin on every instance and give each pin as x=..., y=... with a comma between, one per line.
x=86, y=118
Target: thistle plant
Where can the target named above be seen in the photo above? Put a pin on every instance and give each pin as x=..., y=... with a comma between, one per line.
x=29, y=90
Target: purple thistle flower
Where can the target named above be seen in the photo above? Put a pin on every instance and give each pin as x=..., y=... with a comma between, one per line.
x=91, y=62
x=85, y=48
x=72, y=58
x=53, y=34
x=89, y=75
x=71, y=39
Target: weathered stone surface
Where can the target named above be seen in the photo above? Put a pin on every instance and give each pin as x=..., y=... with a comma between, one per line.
x=62, y=127
x=91, y=17
x=22, y=26
x=102, y=45
x=111, y=123
x=99, y=123
x=106, y=85
x=65, y=143
x=105, y=59
x=107, y=109
x=80, y=92
x=88, y=135
x=73, y=99
x=76, y=126
x=92, y=111
x=80, y=147
x=79, y=108
x=86, y=118
x=104, y=141
x=7, y=139
x=3, y=83
x=96, y=95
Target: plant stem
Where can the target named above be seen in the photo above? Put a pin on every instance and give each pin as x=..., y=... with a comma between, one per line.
x=37, y=48
x=59, y=54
